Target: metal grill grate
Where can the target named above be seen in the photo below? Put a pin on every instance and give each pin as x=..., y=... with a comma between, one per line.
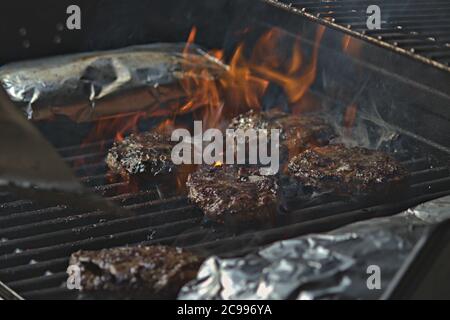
x=36, y=241
x=418, y=28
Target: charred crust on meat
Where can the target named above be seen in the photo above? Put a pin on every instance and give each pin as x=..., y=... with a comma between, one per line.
x=156, y=271
x=234, y=195
x=146, y=153
x=347, y=170
x=298, y=132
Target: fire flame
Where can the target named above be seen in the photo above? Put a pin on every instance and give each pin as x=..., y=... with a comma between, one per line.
x=218, y=164
x=295, y=81
x=244, y=85
x=350, y=118
x=351, y=45
x=250, y=71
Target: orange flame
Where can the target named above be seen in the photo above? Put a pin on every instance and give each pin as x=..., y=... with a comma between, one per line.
x=118, y=127
x=201, y=88
x=242, y=87
x=295, y=81
x=218, y=164
x=191, y=37
x=350, y=117
x=247, y=79
x=351, y=45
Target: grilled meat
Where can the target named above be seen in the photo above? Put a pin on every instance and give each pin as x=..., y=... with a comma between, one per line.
x=347, y=170
x=234, y=194
x=146, y=153
x=298, y=132
x=156, y=271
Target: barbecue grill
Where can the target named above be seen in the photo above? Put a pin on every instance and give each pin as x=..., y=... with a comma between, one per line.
x=400, y=73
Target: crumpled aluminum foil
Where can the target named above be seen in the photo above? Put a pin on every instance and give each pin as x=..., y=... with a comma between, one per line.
x=73, y=85
x=320, y=266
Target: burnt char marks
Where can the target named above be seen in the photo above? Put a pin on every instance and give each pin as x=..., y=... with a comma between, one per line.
x=297, y=132
x=155, y=271
x=347, y=170
x=145, y=153
x=234, y=195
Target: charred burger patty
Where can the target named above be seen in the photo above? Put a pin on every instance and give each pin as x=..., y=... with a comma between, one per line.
x=346, y=170
x=234, y=194
x=145, y=153
x=297, y=132
x=156, y=270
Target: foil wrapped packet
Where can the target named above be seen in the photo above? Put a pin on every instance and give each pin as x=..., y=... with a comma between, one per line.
x=88, y=86
x=333, y=265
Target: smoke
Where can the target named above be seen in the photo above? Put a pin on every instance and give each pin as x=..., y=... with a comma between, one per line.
x=366, y=128
x=369, y=130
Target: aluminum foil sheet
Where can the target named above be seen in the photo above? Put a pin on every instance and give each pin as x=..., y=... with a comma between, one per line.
x=76, y=85
x=332, y=265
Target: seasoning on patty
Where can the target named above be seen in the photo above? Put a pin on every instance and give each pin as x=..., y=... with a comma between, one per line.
x=157, y=271
x=234, y=194
x=347, y=170
x=297, y=132
x=145, y=153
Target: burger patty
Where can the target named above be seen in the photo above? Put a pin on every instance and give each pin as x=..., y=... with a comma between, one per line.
x=234, y=194
x=297, y=132
x=148, y=153
x=347, y=170
x=158, y=271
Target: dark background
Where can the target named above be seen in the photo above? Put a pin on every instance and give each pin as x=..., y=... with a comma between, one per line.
x=107, y=24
